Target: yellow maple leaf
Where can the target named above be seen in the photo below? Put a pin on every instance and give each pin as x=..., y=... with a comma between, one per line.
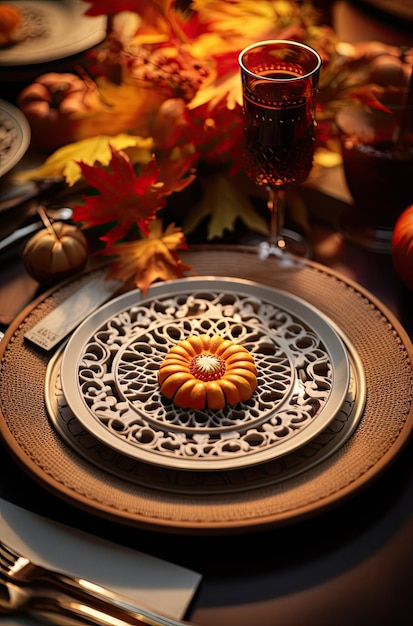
x=224, y=200
x=250, y=19
x=227, y=87
x=201, y=47
x=65, y=161
x=128, y=105
x=153, y=258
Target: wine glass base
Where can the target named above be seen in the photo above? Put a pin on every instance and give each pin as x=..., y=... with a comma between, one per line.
x=373, y=239
x=289, y=243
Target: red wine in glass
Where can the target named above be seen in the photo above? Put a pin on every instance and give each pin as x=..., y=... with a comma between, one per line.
x=279, y=141
x=378, y=168
x=279, y=82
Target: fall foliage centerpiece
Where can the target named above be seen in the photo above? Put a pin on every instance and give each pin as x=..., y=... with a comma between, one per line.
x=156, y=108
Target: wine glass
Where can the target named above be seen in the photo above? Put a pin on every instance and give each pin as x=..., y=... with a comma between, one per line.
x=377, y=151
x=279, y=82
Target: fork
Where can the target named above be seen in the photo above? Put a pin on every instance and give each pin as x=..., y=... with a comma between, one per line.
x=52, y=607
x=22, y=571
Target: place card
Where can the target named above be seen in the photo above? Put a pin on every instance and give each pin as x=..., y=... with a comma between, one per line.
x=53, y=328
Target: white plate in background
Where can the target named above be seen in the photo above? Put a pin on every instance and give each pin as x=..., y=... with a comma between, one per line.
x=14, y=136
x=53, y=30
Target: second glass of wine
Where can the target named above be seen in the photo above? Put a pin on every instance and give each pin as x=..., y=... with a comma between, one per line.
x=279, y=80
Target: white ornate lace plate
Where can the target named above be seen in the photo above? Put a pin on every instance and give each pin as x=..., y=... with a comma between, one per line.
x=52, y=30
x=109, y=374
x=14, y=136
x=331, y=438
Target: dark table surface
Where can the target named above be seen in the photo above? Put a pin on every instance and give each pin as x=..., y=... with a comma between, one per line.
x=350, y=565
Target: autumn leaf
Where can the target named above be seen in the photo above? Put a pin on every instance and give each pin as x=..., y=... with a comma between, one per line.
x=124, y=197
x=150, y=259
x=224, y=200
x=225, y=88
x=65, y=161
x=241, y=17
x=176, y=169
x=127, y=108
x=241, y=22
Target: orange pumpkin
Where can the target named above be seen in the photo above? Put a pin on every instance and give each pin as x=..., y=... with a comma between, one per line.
x=55, y=252
x=402, y=247
x=205, y=371
x=53, y=104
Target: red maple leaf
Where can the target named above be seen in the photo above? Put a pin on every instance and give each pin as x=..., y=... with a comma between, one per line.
x=124, y=197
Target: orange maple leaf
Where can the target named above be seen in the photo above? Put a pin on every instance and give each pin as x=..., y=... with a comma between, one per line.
x=150, y=259
x=124, y=197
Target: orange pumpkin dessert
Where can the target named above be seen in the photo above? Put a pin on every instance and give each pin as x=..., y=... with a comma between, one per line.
x=10, y=20
x=206, y=371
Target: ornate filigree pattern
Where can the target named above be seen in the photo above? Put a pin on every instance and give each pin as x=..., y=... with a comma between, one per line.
x=37, y=23
x=180, y=481
x=8, y=137
x=117, y=377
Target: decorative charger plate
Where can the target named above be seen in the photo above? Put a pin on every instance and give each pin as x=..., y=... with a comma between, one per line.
x=52, y=30
x=383, y=348
x=110, y=366
x=281, y=468
x=14, y=136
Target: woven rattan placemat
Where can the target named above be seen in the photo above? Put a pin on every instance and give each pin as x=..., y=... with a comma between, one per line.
x=382, y=346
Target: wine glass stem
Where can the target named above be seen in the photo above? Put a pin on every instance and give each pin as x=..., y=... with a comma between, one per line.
x=276, y=206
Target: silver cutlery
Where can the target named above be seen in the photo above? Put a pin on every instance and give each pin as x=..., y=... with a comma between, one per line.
x=40, y=191
x=52, y=607
x=19, y=235
x=33, y=579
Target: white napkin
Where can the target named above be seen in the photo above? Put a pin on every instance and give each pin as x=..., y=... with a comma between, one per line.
x=154, y=582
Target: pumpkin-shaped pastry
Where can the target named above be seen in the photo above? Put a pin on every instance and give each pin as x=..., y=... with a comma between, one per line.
x=10, y=21
x=206, y=371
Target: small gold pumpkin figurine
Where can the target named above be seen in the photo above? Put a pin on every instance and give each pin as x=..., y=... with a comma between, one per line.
x=55, y=252
x=205, y=371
